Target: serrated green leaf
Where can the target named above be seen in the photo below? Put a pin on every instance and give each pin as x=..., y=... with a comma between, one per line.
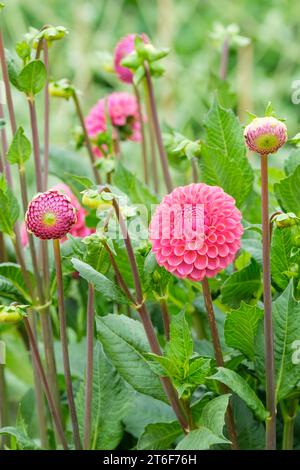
x=110, y=402
x=239, y=386
x=84, y=181
x=180, y=347
x=241, y=285
x=286, y=325
x=159, y=436
x=32, y=78
x=125, y=344
x=24, y=442
x=287, y=192
x=228, y=166
x=241, y=328
x=292, y=162
x=282, y=258
x=102, y=284
x=9, y=212
x=20, y=148
x=211, y=426
x=13, y=274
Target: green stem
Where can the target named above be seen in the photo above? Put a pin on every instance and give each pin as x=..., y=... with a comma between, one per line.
x=51, y=401
x=3, y=403
x=224, y=60
x=7, y=87
x=218, y=357
x=86, y=138
x=46, y=117
x=289, y=413
x=64, y=343
x=3, y=254
x=143, y=143
x=268, y=321
x=36, y=145
x=156, y=126
x=152, y=143
x=89, y=368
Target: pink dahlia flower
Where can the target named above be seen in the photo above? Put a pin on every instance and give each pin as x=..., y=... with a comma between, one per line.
x=50, y=215
x=196, y=231
x=124, y=47
x=122, y=109
x=79, y=228
x=265, y=135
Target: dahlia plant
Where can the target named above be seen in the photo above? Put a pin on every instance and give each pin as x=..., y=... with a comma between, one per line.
x=152, y=309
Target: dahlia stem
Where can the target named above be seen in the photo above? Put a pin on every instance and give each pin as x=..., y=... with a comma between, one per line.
x=224, y=60
x=218, y=357
x=151, y=143
x=3, y=403
x=195, y=170
x=165, y=317
x=3, y=254
x=148, y=326
x=46, y=117
x=4, y=150
x=51, y=402
x=289, y=414
x=7, y=87
x=64, y=342
x=36, y=145
x=155, y=121
x=268, y=321
x=86, y=138
x=143, y=143
x=39, y=394
x=20, y=258
x=89, y=368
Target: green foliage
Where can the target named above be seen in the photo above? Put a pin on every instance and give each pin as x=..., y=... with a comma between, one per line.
x=108, y=288
x=285, y=256
x=239, y=386
x=159, y=436
x=186, y=370
x=9, y=212
x=32, y=78
x=125, y=344
x=224, y=162
x=210, y=431
x=110, y=402
x=241, y=328
x=20, y=148
x=22, y=441
x=287, y=192
x=242, y=285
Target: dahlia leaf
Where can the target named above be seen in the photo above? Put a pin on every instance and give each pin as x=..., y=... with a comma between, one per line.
x=125, y=344
x=22, y=439
x=287, y=192
x=211, y=424
x=13, y=275
x=159, y=436
x=9, y=212
x=242, y=285
x=110, y=403
x=180, y=347
x=239, y=386
x=32, y=78
x=283, y=261
x=230, y=163
x=105, y=286
x=286, y=324
x=20, y=148
x=241, y=327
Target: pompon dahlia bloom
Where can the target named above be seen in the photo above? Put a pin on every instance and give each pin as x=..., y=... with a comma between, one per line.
x=196, y=231
x=122, y=109
x=265, y=135
x=50, y=215
x=124, y=47
x=79, y=229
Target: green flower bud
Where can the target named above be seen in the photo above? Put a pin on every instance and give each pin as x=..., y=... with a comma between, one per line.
x=12, y=313
x=286, y=220
x=61, y=89
x=94, y=200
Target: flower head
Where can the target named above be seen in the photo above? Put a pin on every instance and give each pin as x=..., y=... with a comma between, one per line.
x=124, y=47
x=196, y=231
x=265, y=135
x=122, y=110
x=79, y=229
x=50, y=215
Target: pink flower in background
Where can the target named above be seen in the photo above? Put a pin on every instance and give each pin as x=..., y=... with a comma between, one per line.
x=196, y=231
x=78, y=228
x=124, y=47
x=122, y=109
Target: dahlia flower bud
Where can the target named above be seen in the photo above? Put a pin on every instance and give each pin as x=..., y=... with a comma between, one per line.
x=196, y=231
x=265, y=135
x=50, y=215
x=61, y=89
x=12, y=313
x=94, y=200
x=286, y=220
x=125, y=47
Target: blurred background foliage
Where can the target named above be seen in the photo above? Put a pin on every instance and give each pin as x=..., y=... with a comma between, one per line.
x=261, y=72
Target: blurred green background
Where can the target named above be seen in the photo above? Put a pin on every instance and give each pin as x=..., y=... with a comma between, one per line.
x=261, y=72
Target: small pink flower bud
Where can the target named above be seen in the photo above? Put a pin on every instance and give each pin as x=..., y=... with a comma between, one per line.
x=265, y=135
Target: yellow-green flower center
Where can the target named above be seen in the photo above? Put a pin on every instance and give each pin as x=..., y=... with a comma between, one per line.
x=49, y=219
x=266, y=141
